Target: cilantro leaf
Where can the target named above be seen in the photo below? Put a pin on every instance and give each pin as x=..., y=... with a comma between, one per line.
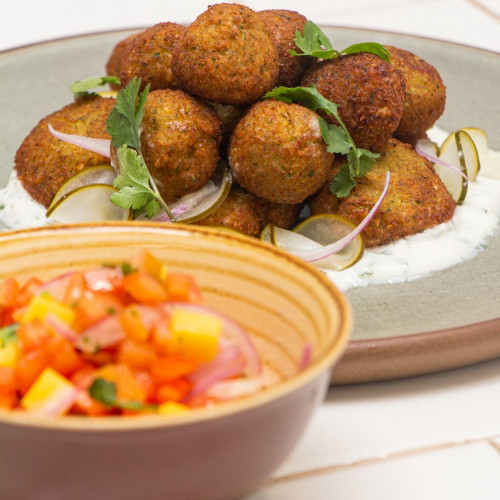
x=133, y=183
x=125, y=119
x=337, y=137
x=83, y=88
x=315, y=43
x=104, y=391
x=8, y=334
x=370, y=47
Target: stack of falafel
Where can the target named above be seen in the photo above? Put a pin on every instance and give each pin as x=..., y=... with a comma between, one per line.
x=205, y=102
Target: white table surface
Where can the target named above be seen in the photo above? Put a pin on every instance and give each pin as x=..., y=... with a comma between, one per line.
x=430, y=437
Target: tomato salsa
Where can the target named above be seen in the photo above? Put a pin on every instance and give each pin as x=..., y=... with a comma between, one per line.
x=119, y=339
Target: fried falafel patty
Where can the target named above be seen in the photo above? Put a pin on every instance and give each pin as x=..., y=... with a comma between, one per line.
x=44, y=163
x=226, y=56
x=245, y=212
x=369, y=92
x=180, y=142
x=148, y=56
x=416, y=199
x=425, y=95
x=277, y=152
x=282, y=25
x=114, y=62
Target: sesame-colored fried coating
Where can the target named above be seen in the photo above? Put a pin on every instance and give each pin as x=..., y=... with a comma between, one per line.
x=369, y=91
x=230, y=116
x=282, y=25
x=416, y=199
x=277, y=152
x=245, y=212
x=44, y=163
x=226, y=56
x=179, y=141
x=425, y=95
x=114, y=62
x=148, y=56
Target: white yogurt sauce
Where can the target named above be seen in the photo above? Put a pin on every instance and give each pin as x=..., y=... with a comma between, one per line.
x=408, y=259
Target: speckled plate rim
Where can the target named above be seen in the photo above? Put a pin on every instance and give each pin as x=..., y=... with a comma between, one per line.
x=229, y=238
x=397, y=356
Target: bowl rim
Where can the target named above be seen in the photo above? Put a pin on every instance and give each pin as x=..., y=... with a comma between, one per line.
x=141, y=423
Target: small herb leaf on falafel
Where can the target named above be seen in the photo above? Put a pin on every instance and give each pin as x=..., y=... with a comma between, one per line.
x=315, y=43
x=84, y=88
x=336, y=137
x=136, y=186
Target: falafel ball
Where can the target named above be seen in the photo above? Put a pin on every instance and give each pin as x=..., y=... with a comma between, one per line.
x=44, y=163
x=226, y=56
x=245, y=212
x=416, y=199
x=281, y=25
x=179, y=142
x=369, y=92
x=113, y=64
x=277, y=152
x=425, y=95
x=148, y=56
x=229, y=115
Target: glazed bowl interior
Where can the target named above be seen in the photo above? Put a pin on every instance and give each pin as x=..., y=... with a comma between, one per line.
x=277, y=299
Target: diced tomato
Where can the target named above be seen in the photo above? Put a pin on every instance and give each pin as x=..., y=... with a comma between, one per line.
x=62, y=355
x=183, y=288
x=86, y=405
x=8, y=401
x=7, y=381
x=144, y=261
x=33, y=335
x=166, y=369
x=9, y=291
x=161, y=336
x=175, y=390
x=94, y=306
x=75, y=289
x=127, y=387
x=27, y=291
x=133, y=324
x=136, y=356
x=30, y=366
x=144, y=288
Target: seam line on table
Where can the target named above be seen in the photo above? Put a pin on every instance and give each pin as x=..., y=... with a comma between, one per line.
x=389, y=457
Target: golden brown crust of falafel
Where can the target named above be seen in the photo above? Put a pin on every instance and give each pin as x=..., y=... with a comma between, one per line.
x=281, y=25
x=113, y=64
x=425, y=95
x=416, y=199
x=277, y=152
x=179, y=141
x=226, y=56
x=44, y=163
x=369, y=92
x=245, y=212
x=148, y=56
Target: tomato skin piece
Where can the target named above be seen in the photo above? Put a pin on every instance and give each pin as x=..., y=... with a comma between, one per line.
x=95, y=306
x=8, y=383
x=144, y=288
x=29, y=367
x=175, y=390
x=63, y=356
x=166, y=369
x=136, y=356
x=27, y=291
x=33, y=335
x=183, y=288
x=133, y=324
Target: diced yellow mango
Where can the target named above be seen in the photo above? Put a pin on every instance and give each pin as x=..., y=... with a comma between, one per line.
x=43, y=304
x=51, y=394
x=194, y=334
x=9, y=355
x=145, y=261
x=172, y=408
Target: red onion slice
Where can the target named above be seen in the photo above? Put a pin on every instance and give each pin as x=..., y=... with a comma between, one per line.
x=61, y=328
x=316, y=254
x=105, y=333
x=99, y=146
x=434, y=159
x=225, y=390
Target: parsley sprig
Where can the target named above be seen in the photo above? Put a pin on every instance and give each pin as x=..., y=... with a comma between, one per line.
x=104, y=391
x=84, y=88
x=136, y=187
x=337, y=137
x=315, y=43
x=8, y=334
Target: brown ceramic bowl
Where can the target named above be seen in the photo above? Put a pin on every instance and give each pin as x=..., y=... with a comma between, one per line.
x=218, y=453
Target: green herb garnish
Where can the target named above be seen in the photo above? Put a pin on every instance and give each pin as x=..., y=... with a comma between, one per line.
x=84, y=88
x=8, y=334
x=136, y=187
x=337, y=137
x=315, y=43
x=104, y=391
